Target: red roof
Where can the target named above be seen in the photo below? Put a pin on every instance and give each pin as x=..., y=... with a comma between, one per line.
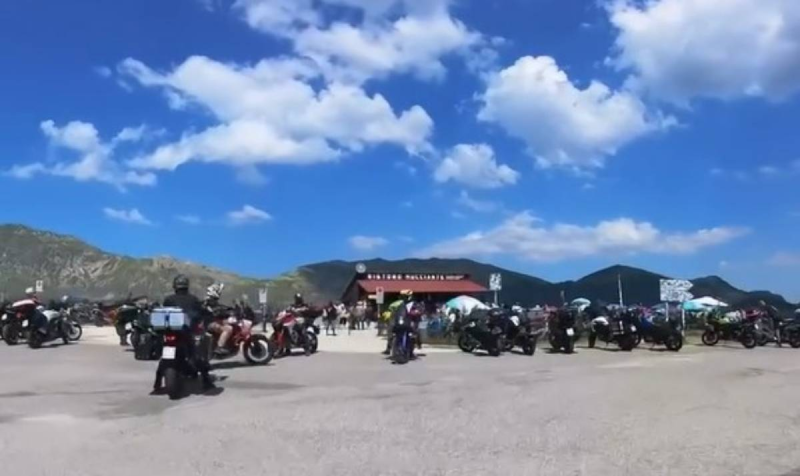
x=462, y=286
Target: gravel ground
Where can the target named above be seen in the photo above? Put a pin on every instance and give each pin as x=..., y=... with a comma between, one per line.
x=83, y=410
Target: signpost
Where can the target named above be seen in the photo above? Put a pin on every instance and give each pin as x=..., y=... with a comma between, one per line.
x=495, y=284
x=39, y=286
x=379, y=295
x=676, y=290
x=263, y=296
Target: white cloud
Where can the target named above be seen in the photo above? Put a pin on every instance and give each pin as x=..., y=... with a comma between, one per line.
x=768, y=170
x=95, y=158
x=248, y=215
x=103, y=71
x=189, y=219
x=133, y=216
x=131, y=134
x=250, y=175
x=524, y=237
x=480, y=206
x=270, y=113
x=563, y=125
x=784, y=259
x=725, y=49
x=475, y=165
x=367, y=243
x=383, y=37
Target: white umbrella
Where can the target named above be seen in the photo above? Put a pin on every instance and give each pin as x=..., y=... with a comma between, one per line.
x=708, y=301
x=465, y=304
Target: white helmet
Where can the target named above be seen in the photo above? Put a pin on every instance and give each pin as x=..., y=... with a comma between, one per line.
x=215, y=291
x=30, y=291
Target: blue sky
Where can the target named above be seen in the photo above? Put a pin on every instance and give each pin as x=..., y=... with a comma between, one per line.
x=553, y=137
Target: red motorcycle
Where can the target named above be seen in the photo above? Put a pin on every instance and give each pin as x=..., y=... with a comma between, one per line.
x=257, y=349
x=290, y=330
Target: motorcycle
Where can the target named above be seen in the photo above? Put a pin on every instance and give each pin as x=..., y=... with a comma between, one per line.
x=519, y=332
x=178, y=364
x=617, y=328
x=561, y=331
x=146, y=342
x=403, y=340
x=291, y=331
x=479, y=333
x=17, y=320
x=48, y=326
x=719, y=327
x=256, y=348
x=663, y=333
x=790, y=332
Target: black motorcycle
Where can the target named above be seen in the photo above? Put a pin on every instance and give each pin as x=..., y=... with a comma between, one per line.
x=48, y=326
x=717, y=329
x=619, y=329
x=183, y=350
x=481, y=332
x=667, y=333
x=561, y=331
x=403, y=340
x=790, y=332
x=13, y=327
x=520, y=332
x=146, y=342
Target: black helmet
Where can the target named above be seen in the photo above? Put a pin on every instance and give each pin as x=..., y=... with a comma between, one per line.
x=180, y=283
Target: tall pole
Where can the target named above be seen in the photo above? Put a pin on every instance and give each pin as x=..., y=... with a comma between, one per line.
x=619, y=288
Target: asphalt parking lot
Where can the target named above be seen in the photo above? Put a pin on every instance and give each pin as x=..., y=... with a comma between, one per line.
x=84, y=409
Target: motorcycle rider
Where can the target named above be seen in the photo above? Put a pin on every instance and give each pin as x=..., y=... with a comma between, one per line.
x=192, y=306
x=410, y=310
x=774, y=315
x=218, y=326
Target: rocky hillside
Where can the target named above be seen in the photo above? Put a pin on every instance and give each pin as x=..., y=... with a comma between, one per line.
x=70, y=266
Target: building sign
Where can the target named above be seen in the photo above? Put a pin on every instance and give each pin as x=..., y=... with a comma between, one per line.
x=415, y=277
x=675, y=290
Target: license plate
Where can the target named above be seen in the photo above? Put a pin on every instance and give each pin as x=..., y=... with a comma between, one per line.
x=570, y=332
x=168, y=353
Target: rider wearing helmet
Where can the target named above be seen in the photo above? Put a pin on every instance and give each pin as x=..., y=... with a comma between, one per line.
x=192, y=306
x=218, y=326
x=408, y=308
x=775, y=317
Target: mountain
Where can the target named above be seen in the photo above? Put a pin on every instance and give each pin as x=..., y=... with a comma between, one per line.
x=68, y=265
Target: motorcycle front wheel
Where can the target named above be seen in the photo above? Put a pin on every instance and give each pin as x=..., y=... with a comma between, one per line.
x=258, y=350
x=465, y=344
x=626, y=342
x=10, y=334
x=710, y=338
x=794, y=340
x=674, y=342
x=74, y=331
x=749, y=340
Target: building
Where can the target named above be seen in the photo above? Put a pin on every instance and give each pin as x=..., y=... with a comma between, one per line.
x=436, y=287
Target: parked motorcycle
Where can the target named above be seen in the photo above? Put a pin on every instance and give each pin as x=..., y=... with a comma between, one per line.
x=48, y=326
x=616, y=328
x=476, y=332
x=147, y=343
x=561, y=331
x=790, y=332
x=719, y=327
x=667, y=333
x=522, y=334
x=17, y=320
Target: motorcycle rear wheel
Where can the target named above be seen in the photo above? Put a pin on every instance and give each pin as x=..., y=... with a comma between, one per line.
x=399, y=354
x=794, y=340
x=173, y=383
x=528, y=348
x=710, y=338
x=569, y=345
x=626, y=343
x=258, y=350
x=674, y=342
x=35, y=339
x=495, y=350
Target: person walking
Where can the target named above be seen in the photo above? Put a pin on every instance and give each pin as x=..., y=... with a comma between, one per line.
x=331, y=318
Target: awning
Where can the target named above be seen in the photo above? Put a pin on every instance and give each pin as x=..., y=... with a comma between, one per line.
x=463, y=286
